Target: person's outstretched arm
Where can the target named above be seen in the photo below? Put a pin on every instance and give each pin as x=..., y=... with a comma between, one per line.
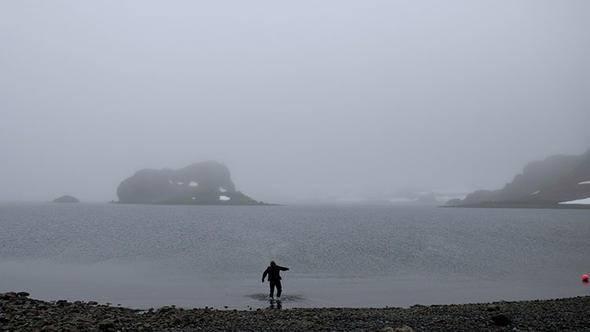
x=264, y=274
x=283, y=268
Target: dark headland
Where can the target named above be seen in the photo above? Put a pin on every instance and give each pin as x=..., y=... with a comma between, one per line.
x=20, y=313
x=542, y=184
x=203, y=183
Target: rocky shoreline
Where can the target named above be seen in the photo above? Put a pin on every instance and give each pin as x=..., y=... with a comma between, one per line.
x=18, y=312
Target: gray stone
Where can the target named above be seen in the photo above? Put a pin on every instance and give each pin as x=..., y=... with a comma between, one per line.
x=501, y=320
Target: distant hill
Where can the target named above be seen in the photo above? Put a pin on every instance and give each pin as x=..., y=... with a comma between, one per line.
x=66, y=199
x=203, y=183
x=543, y=183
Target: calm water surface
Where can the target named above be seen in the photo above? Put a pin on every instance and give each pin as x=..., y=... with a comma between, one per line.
x=369, y=256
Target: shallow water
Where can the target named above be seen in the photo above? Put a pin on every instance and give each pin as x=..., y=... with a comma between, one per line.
x=368, y=256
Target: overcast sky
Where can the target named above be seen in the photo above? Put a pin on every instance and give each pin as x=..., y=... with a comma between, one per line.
x=300, y=99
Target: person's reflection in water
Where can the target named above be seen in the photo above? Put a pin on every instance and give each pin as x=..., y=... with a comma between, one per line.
x=275, y=304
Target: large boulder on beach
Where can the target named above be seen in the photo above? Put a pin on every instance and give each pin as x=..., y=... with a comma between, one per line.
x=206, y=182
x=548, y=182
x=501, y=320
x=66, y=199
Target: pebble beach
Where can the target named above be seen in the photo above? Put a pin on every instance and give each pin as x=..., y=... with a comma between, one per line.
x=19, y=312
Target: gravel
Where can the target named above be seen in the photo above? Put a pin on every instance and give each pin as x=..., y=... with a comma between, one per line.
x=18, y=312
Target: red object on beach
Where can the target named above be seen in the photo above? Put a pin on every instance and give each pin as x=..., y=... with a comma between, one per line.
x=585, y=278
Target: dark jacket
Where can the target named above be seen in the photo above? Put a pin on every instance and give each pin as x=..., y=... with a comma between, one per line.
x=273, y=273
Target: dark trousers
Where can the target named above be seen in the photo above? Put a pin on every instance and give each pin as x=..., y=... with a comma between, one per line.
x=277, y=284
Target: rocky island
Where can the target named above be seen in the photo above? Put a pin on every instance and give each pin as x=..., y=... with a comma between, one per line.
x=558, y=181
x=203, y=183
x=66, y=199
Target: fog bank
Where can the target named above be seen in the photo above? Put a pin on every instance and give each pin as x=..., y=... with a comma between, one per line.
x=302, y=101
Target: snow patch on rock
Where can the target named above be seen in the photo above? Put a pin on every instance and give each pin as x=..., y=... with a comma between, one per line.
x=578, y=201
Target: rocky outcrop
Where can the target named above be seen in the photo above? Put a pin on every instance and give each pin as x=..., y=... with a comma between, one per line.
x=66, y=199
x=542, y=183
x=206, y=182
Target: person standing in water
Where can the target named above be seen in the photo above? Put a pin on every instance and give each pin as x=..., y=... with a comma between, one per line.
x=274, y=278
